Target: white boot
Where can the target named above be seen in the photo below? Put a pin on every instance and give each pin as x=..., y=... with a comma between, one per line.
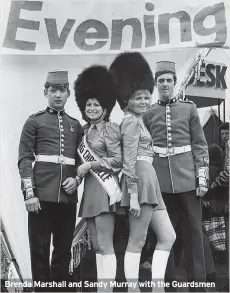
x=100, y=267
x=159, y=264
x=110, y=266
x=131, y=266
x=106, y=271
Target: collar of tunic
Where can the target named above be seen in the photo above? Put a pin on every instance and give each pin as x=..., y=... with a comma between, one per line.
x=56, y=112
x=169, y=101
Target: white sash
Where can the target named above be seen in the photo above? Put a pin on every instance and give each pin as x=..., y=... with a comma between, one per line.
x=106, y=180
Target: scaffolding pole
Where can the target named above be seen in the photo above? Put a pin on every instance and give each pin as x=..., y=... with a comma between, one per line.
x=219, y=121
x=224, y=111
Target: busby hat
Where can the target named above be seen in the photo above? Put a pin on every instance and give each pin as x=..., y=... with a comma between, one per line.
x=131, y=73
x=57, y=78
x=168, y=66
x=95, y=82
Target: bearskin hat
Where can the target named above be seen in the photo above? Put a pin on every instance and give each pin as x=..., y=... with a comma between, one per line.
x=131, y=72
x=95, y=82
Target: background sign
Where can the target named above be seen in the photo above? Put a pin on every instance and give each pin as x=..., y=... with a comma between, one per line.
x=210, y=87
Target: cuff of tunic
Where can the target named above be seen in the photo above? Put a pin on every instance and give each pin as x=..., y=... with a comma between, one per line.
x=27, y=185
x=28, y=193
x=202, y=179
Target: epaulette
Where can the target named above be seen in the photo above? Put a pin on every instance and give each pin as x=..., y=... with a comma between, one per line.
x=71, y=117
x=39, y=113
x=186, y=101
x=151, y=106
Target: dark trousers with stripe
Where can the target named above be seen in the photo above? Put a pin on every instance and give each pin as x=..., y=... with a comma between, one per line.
x=57, y=219
x=184, y=209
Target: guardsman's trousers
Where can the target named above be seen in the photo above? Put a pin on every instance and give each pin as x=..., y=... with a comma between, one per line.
x=58, y=220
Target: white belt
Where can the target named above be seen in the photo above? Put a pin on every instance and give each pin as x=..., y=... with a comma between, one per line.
x=55, y=159
x=172, y=151
x=145, y=158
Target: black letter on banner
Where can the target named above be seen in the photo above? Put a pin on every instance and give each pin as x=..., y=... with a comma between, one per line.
x=14, y=22
x=108, y=176
x=88, y=157
x=209, y=69
x=85, y=155
x=91, y=159
x=102, y=175
x=185, y=26
x=81, y=148
x=57, y=42
x=150, y=40
x=202, y=74
x=81, y=35
x=218, y=11
x=117, y=29
x=220, y=77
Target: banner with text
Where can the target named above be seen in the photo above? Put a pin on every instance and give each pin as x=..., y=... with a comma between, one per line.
x=101, y=27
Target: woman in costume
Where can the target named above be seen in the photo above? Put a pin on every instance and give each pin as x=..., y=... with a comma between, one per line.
x=140, y=188
x=100, y=151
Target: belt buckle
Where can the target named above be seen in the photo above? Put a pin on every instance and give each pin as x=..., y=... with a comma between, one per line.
x=170, y=151
x=61, y=160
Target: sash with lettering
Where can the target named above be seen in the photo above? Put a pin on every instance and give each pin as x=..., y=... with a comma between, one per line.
x=107, y=181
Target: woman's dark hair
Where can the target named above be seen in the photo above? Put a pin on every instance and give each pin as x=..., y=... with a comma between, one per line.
x=84, y=116
x=224, y=126
x=95, y=82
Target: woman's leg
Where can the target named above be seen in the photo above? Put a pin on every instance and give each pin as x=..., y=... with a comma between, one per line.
x=93, y=233
x=105, y=228
x=138, y=232
x=166, y=236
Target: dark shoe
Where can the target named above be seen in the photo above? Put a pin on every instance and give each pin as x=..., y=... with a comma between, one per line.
x=211, y=277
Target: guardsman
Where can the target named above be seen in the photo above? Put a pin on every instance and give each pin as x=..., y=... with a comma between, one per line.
x=50, y=139
x=181, y=164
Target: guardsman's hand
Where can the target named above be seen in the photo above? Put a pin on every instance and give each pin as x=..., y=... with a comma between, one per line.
x=70, y=185
x=135, y=208
x=200, y=191
x=33, y=205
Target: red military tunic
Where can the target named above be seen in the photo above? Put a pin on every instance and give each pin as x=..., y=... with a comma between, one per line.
x=52, y=133
x=171, y=125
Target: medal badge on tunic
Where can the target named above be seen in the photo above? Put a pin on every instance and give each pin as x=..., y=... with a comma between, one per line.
x=71, y=128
